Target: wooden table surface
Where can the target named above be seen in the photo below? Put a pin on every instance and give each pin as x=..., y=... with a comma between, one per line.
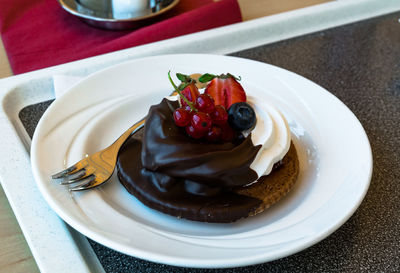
x=15, y=255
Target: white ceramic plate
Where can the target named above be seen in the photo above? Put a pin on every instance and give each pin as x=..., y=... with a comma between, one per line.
x=334, y=152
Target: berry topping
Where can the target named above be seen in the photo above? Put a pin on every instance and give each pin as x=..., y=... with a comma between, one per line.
x=187, y=108
x=205, y=103
x=214, y=134
x=193, y=132
x=228, y=134
x=241, y=116
x=205, y=115
x=190, y=92
x=201, y=121
x=219, y=115
x=225, y=89
x=188, y=85
x=182, y=117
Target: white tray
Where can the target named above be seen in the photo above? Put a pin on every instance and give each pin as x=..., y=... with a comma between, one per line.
x=57, y=247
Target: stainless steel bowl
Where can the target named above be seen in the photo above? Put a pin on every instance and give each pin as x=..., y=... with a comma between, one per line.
x=117, y=14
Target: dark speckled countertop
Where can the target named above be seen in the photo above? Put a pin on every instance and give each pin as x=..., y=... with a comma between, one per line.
x=360, y=64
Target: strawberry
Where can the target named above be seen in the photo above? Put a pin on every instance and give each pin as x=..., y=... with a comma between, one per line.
x=191, y=93
x=225, y=89
x=188, y=88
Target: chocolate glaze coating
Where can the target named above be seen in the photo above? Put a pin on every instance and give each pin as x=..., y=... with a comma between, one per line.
x=180, y=176
x=168, y=150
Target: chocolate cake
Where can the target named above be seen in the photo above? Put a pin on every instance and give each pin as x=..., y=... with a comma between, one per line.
x=196, y=180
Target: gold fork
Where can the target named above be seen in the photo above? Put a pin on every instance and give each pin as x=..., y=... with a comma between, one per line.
x=97, y=168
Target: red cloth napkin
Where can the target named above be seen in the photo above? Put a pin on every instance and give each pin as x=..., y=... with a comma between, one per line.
x=39, y=33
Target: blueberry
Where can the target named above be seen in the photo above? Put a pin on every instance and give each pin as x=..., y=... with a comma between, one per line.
x=241, y=116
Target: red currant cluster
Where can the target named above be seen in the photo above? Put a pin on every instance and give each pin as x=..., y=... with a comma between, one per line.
x=203, y=118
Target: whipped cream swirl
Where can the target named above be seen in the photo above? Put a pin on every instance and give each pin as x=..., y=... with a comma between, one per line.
x=271, y=132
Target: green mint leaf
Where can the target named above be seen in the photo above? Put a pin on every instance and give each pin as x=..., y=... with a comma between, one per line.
x=182, y=77
x=206, y=77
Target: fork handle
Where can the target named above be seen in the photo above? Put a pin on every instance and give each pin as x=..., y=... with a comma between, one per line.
x=133, y=129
